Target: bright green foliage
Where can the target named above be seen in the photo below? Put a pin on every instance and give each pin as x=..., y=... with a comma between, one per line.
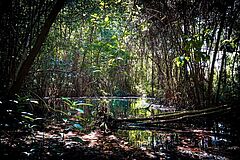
x=229, y=45
x=139, y=138
x=180, y=60
x=74, y=112
x=96, y=48
x=193, y=50
x=87, y=46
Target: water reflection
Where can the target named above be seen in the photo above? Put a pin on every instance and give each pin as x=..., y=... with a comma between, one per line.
x=118, y=107
x=137, y=107
x=197, y=139
x=194, y=143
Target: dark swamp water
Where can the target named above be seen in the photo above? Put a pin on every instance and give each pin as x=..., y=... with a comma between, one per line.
x=195, y=138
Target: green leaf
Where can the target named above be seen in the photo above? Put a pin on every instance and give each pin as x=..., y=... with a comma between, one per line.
x=27, y=113
x=106, y=19
x=79, y=110
x=187, y=58
x=84, y=104
x=74, y=104
x=179, y=61
x=79, y=117
x=65, y=98
x=28, y=117
x=65, y=120
x=76, y=139
x=97, y=71
x=77, y=126
x=33, y=101
x=95, y=15
x=119, y=58
x=67, y=101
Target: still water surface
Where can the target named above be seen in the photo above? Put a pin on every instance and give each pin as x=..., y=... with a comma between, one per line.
x=197, y=139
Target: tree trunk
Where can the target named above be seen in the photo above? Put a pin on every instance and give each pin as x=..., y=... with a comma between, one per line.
x=210, y=83
x=224, y=58
x=26, y=66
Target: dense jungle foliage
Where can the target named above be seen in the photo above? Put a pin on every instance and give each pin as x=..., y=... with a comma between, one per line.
x=185, y=52
x=182, y=53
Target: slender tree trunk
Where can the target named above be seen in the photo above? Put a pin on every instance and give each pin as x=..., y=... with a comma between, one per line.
x=153, y=56
x=210, y=83
x=224, y=60
x=220, y=76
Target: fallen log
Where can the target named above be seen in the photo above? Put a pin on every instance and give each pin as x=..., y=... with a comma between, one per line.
x=179, y=119
x=177, y=115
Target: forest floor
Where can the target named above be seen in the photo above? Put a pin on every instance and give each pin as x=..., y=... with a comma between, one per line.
x=56, y=143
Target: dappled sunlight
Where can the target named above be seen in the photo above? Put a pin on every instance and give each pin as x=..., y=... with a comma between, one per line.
x=129, y=80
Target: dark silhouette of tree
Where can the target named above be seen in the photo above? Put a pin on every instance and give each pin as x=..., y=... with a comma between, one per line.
x=25, y=26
